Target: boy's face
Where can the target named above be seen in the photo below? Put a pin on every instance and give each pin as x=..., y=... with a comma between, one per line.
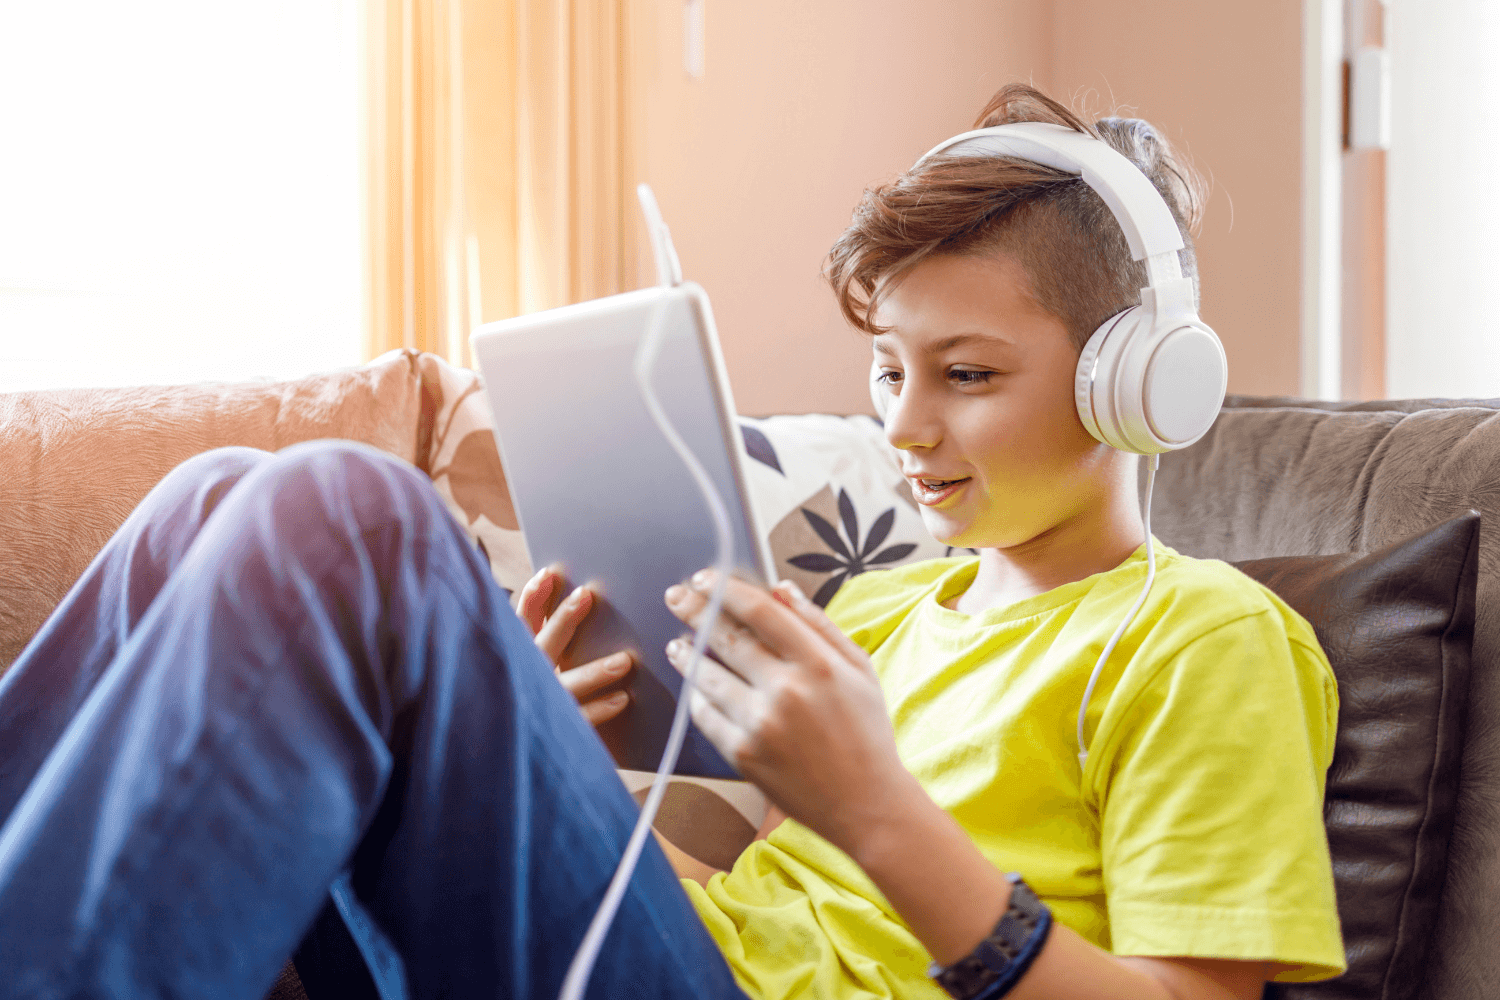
x=981, y=386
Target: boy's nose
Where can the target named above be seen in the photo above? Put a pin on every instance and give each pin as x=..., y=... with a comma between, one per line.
x=910, y=422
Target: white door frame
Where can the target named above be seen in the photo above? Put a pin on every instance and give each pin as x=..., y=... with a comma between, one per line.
x=1322, y=193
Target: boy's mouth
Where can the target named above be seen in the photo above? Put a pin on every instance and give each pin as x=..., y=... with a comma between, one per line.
x=935, y=491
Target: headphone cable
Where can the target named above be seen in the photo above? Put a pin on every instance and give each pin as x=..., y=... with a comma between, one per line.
x=582, y=965
x=1088, y=692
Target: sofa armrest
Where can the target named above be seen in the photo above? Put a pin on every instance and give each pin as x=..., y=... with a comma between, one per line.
x=76, y=462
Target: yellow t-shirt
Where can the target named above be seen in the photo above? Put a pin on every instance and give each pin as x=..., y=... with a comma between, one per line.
x=1196, y=828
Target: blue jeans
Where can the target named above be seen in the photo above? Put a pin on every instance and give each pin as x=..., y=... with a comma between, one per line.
x=292, y=674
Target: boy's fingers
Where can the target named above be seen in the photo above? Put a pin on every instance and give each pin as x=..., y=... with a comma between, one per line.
x=583, y=681
x=727, y=690
x=532, y=606
x=818, y=619
x=737, y=646
x=554, y=636
x=600, y=710
x=780, y=629
x=726, y=737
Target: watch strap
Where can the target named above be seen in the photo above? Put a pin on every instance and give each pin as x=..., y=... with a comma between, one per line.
x=999, y=961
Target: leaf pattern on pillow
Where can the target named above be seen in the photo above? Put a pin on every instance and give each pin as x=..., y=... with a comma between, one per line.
x=849, y=558
x=476, y=479
x=758, y=447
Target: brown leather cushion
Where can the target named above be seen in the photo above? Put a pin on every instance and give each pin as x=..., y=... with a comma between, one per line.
x=1397, y=626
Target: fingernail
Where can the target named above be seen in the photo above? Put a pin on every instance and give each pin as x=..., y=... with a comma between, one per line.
x=676, y=594
x=674, y=648
x=702, y=580
x=619, y=663
x=618, y=698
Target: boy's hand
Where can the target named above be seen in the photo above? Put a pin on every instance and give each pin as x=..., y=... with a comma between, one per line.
x=553, y=623
x=798, y=710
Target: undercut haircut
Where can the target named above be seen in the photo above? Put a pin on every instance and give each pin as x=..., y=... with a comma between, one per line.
x=1052, y=223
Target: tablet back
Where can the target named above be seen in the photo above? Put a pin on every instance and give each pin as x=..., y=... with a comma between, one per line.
x=598, y=489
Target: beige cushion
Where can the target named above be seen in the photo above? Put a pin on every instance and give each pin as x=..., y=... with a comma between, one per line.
x=77, y=461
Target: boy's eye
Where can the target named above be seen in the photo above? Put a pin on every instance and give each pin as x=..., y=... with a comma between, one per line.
x=965, y=376
x=960, y=376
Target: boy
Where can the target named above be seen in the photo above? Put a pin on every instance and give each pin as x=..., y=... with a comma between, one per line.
x=980, y=280
x=287, y=667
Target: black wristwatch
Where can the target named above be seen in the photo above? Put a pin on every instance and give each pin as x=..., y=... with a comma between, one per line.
x=999, y=961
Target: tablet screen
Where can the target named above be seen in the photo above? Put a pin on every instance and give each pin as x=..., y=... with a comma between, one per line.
x=598, y=489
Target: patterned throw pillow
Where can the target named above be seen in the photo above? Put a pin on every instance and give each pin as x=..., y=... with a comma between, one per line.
x=829, y=493
x=465, y=467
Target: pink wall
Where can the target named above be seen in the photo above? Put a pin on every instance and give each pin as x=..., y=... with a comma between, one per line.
x=1364, y=236
x=1225, y=83
x=758, y=165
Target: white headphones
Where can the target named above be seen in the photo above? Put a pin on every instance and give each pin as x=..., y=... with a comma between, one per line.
x=1152, y=377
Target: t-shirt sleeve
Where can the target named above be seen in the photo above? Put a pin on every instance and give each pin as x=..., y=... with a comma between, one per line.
x=1209, y=781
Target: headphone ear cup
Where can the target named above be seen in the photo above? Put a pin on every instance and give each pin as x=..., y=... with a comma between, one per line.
x=1182, y=385
x=1150, y=390
x=1093, y=380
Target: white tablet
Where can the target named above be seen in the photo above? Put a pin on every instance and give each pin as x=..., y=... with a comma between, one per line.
x=597, y=488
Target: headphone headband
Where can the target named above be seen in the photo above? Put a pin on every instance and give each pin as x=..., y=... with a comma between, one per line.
x=1140, y=210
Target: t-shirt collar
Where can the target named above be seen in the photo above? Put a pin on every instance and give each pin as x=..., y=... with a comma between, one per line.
x=958, y=579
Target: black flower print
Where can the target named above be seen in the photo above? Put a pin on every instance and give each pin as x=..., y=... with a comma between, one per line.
x=851, y=559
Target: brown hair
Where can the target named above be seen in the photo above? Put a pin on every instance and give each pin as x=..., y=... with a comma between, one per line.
x=1053, y=223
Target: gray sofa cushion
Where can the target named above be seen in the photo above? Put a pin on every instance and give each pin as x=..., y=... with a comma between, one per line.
x=1397, y=626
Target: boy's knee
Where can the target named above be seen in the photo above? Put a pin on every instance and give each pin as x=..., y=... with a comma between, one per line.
x=218, y=464
x=348, y=463
x=353, y=478
x=197, y=485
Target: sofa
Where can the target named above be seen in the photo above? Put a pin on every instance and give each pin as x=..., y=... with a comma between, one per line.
x=1345, y=507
